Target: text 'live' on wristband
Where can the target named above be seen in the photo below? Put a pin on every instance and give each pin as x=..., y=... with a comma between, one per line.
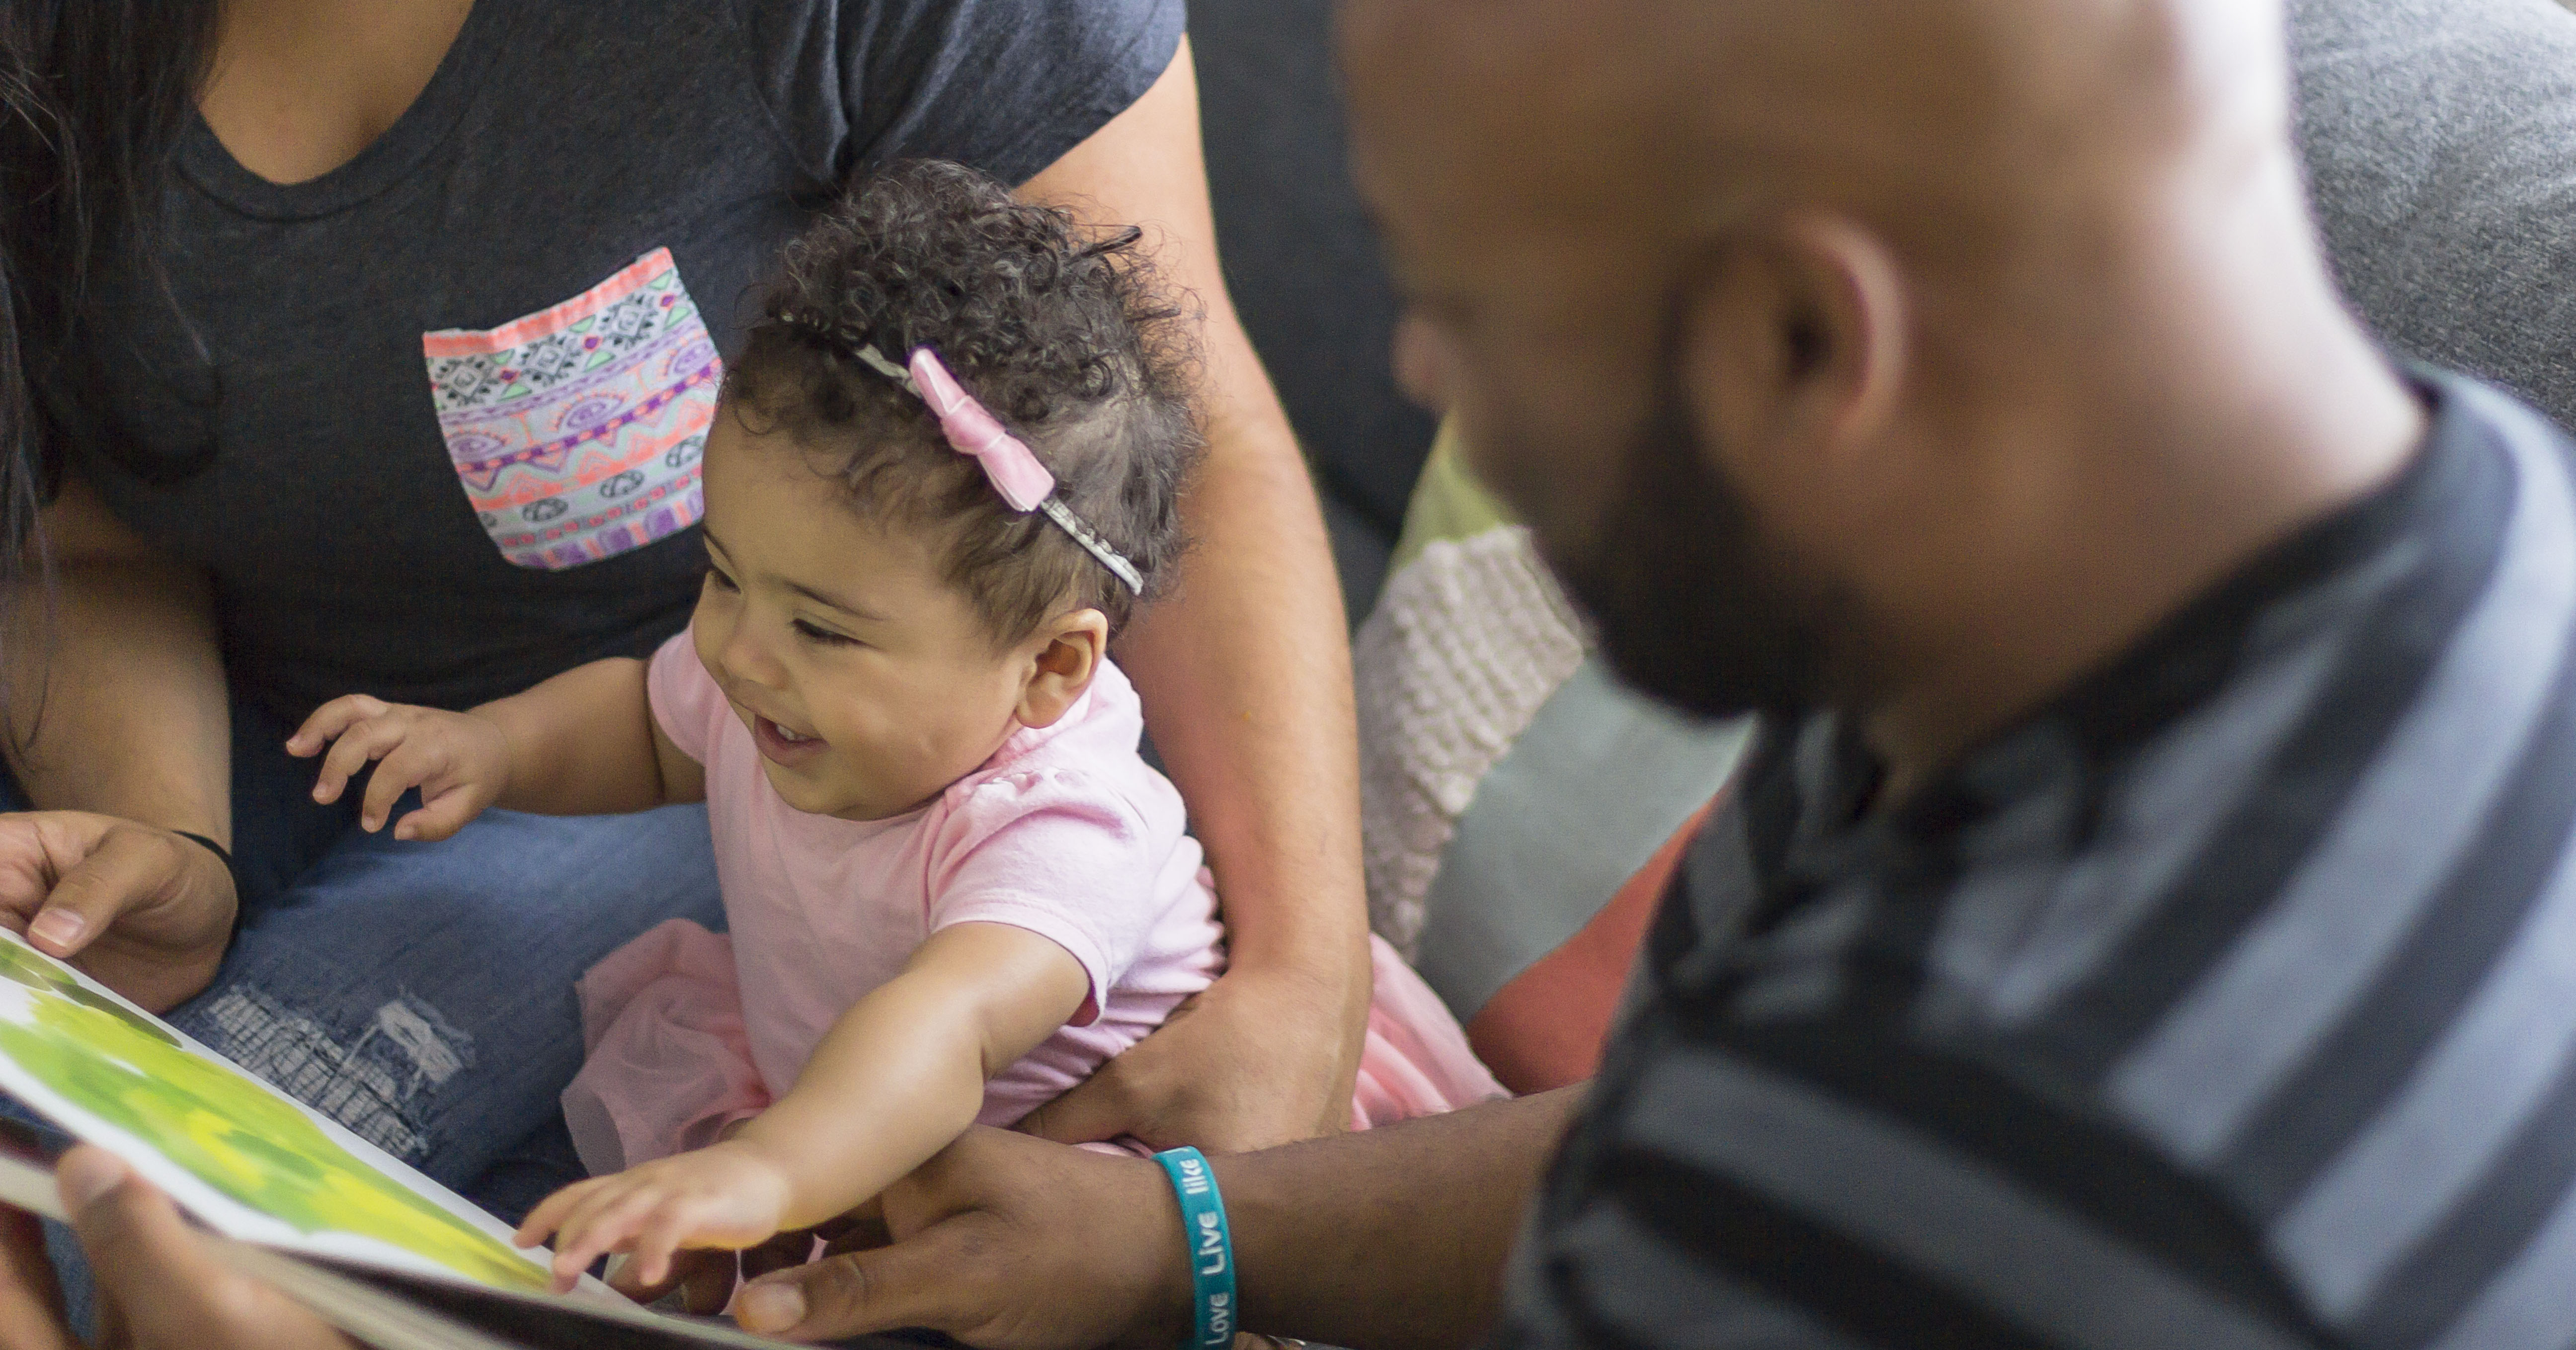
x=1211, y=1247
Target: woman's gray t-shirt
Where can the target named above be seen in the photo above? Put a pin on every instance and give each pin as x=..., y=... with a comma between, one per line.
x=432, y=420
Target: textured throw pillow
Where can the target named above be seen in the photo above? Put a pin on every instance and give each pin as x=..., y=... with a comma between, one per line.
x=1510, y=789
x=1469, y=637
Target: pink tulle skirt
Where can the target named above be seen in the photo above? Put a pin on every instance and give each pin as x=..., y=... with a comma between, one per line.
x=669, y=1064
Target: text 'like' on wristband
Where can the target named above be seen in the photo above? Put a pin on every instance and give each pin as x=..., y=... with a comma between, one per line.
x=1211, y=1247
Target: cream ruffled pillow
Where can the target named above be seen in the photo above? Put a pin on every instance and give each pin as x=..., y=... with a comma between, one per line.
x=1470, y=636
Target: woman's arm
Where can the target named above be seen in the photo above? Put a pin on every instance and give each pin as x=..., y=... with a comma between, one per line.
x=120, y=733
x=118, y=705
x=1245, y=674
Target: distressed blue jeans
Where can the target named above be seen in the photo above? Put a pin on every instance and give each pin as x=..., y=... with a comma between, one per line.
x=422, y=994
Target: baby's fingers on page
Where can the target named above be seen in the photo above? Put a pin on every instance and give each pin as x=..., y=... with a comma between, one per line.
x=548, y=1216
x=606, y=1222
x=662, y=1235
x=573, y=1255
x=554, y=1215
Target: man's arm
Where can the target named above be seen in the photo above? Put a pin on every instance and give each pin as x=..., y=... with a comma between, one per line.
x=1245, y=674
x=1392, y=1238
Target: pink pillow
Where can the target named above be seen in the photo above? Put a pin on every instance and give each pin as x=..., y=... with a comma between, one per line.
x=1544, y=1029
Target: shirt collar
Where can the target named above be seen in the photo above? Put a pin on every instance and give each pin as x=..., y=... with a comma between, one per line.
x=2181, y=662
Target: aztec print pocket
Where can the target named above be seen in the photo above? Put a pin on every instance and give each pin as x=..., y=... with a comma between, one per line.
x=577, y=430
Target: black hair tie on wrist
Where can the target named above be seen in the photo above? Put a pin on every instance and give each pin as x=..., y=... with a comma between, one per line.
x=241, y=893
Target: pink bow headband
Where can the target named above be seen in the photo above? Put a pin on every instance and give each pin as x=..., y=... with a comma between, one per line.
x=1014, y=471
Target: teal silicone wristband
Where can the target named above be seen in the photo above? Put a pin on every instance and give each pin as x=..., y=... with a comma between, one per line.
x=1211, y=1247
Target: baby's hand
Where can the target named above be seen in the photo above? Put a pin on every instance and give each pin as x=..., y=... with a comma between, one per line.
x=729, y=1195
x=460, y=762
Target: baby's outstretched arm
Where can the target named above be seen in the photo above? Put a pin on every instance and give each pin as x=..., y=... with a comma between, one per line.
x=898, y=1077
x=582, y=743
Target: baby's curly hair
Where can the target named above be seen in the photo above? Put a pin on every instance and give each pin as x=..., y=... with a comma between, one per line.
x=1065, y=335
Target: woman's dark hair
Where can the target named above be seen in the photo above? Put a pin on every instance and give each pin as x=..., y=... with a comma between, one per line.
x=94, y=95
x=1065, y=335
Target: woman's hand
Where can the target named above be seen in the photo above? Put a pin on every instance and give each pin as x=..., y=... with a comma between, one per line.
x=146, y=912
x=158, y=1286
x=1006, y=1242
x=728, y=1195
x=1253, y=1062
x=460, y=762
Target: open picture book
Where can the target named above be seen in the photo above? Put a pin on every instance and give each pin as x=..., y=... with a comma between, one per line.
x=379, y=1250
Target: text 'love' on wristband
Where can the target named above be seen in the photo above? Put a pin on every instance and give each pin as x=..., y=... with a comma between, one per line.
x=1211, y=1247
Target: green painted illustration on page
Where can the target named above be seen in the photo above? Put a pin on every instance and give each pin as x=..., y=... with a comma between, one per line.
x=236, y=1137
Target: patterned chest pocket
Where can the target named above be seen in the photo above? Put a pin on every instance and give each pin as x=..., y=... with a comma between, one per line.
x=577, y=430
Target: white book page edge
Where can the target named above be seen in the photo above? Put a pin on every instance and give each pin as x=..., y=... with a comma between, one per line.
x=370, y=1313
x=228, y=1216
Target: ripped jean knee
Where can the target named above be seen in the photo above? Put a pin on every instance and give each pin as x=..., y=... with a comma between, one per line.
x=374, y=1082
x=422, y=994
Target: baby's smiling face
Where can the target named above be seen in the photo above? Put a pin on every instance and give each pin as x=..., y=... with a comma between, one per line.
x=869, y=682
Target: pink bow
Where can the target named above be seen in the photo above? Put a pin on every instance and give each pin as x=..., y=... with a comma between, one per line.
x=1016, y=473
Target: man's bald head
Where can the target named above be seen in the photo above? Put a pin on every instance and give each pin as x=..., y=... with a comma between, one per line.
x=1922, y=282
x=1922, y=116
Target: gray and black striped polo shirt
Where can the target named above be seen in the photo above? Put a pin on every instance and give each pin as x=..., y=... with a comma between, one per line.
x=2226, y=1003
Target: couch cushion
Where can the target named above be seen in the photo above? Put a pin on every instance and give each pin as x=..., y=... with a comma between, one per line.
x=1545, y=1027
x=2440, y=139
x=1599, y=781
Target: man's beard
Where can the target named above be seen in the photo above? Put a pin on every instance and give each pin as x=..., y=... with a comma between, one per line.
x=1690, y=606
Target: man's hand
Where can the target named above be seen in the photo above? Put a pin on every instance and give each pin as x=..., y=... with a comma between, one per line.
x=1005, y=1242
x=460, y=762
x=1255, y=1061
x=158, y=1286
x=728, y=1195
x=146, y=912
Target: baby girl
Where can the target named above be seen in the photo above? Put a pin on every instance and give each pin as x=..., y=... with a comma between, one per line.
x=946, y=470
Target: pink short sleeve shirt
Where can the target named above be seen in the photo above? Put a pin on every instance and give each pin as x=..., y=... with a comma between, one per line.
x=1065, y=832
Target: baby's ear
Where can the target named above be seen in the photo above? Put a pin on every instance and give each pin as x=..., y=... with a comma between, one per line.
x=1065, y=653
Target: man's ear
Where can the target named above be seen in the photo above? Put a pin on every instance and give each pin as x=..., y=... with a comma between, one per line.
x=1065, y=653
x=1794, y=342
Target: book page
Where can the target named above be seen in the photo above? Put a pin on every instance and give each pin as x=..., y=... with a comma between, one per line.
x=401, y=1310
x=248, y=1160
